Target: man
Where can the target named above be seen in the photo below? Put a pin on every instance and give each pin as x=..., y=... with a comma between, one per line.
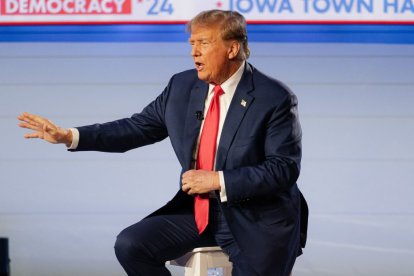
x=237, y=137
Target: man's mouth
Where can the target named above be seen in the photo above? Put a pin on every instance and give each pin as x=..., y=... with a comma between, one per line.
x=199, y=66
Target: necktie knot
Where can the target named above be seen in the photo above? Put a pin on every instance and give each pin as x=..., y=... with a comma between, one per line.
x=218, y=91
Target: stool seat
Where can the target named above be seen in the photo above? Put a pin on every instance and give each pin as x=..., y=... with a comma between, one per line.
x=200, y=259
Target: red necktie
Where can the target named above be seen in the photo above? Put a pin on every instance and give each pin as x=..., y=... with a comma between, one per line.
x=206, y=155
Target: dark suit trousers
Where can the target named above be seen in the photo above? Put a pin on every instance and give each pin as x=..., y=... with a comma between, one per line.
x=143, y=248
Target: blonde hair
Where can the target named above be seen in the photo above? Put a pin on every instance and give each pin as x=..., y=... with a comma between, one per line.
x=232, y=27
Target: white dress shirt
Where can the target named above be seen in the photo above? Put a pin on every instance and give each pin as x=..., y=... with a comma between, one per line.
x=229, y=88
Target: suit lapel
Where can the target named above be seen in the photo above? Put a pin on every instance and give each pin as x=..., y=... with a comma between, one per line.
x=239, y=105
x=192, y=125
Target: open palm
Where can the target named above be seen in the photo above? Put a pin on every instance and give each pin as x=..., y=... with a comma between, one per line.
x=44, y=129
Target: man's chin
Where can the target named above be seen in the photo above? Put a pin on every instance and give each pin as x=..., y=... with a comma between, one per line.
x=202, y=76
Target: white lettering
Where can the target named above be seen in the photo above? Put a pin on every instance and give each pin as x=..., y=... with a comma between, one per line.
x=24, y=5
x=68, y=6
x=12, y=6
x=105, y=6
x=119, y=4
x=37, y=6
x=94, y=6
x=80, y=6
x=54, y=6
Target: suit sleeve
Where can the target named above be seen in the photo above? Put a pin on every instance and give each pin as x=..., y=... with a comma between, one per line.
x=122, y=135
x=282, y=155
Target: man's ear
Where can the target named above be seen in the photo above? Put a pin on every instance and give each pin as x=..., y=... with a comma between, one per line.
x=233, y=50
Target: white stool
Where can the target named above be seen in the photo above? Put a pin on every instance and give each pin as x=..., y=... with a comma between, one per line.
x=198, y=261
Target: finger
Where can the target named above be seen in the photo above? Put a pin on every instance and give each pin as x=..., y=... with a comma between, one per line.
x=28, y=126
x=188, y=173
x=185, y=178
x=20, y=117
x=33, y=135
x=36, y=119
x=23, y=118
x=188, y=191
x=33, y=117
x=27, y=119
x=185, y=188
x=190, y=176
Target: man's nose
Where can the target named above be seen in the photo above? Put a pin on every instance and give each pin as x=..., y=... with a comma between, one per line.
x=195, y=51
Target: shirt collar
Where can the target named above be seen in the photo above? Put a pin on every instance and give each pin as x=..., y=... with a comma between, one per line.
x=229, y=86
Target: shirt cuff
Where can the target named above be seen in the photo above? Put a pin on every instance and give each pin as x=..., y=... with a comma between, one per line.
x=75, y=138
x=223, y=194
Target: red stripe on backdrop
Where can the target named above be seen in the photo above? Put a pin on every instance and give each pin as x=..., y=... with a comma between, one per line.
x=178, y=22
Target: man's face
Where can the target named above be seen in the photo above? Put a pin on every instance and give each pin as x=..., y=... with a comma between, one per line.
x=210, y=54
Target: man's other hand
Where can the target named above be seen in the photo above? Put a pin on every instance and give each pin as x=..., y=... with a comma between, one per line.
x=200, y=181
x=44, y=129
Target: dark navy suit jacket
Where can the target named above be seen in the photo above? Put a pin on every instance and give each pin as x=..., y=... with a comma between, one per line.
x=259, y=153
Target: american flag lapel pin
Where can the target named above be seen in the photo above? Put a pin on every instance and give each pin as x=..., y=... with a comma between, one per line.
x=243, y=103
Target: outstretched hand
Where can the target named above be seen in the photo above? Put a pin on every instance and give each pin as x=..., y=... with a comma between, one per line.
x=44, y=129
